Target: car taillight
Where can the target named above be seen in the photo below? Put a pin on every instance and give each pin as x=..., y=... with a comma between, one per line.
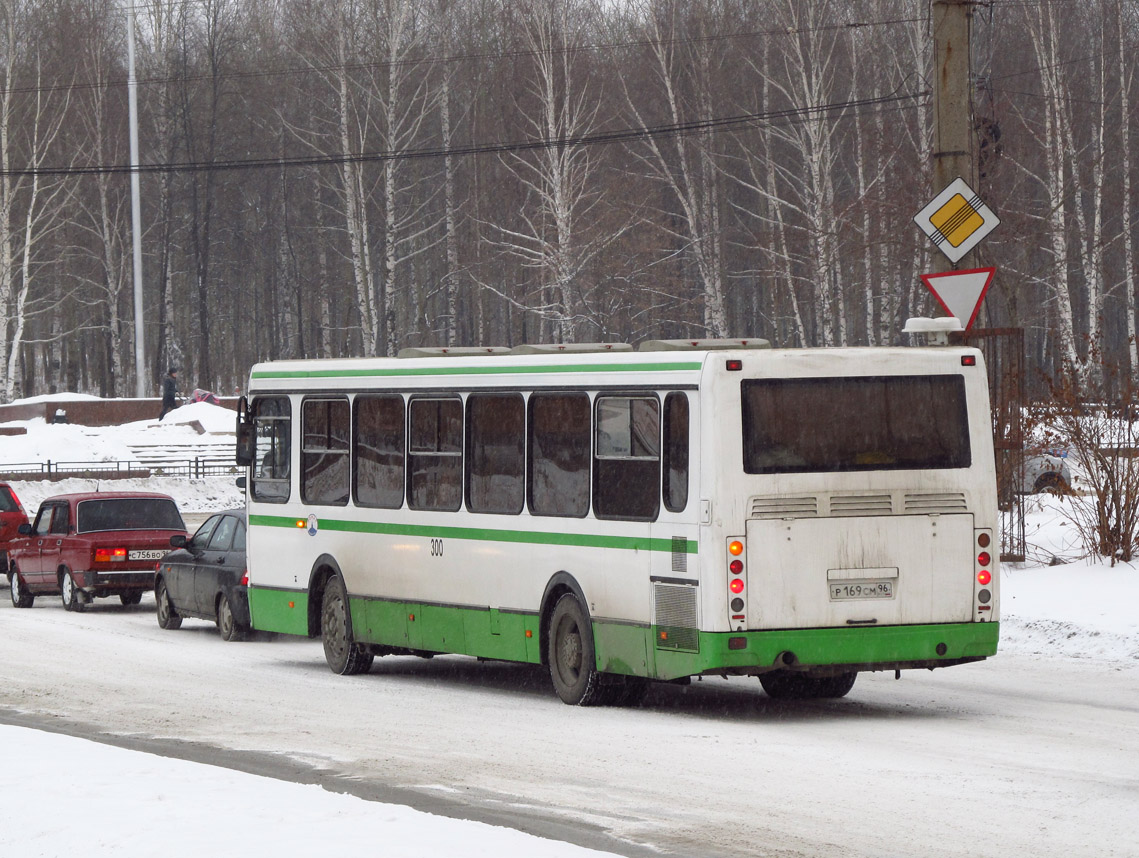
x=110, y=555
x=245, y=578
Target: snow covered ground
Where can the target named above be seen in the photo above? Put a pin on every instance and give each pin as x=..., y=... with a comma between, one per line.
x=1081, y=609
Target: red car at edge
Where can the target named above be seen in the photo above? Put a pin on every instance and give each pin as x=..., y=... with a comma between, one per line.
x=92, y=544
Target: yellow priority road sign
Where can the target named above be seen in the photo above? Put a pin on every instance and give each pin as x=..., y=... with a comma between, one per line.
x=956, y=220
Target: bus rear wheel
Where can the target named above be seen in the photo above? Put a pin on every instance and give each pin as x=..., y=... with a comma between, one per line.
x=571, y=655
x=344, y=656
x=783, y=685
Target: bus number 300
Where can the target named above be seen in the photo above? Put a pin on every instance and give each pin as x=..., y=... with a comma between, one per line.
x=436, y=547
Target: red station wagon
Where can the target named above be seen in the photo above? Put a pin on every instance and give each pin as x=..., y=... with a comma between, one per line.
x=93, y=544
x=11, y=517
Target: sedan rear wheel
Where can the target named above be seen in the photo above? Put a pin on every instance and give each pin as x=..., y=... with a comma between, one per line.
x=230, y=628
x=21, y=598
x=131, y=598
x=69, y=593
x=167, y=618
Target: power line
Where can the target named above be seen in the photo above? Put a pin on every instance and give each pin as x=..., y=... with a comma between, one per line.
x=599, y=139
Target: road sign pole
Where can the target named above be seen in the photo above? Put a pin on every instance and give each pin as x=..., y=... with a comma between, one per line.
x=953, y=155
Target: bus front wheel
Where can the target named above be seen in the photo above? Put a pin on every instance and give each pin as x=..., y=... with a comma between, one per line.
x=343, y=655
x=571, y=654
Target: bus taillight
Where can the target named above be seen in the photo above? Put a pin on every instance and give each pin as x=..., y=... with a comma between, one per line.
x=983, y=559
x=736, y=582
x=984, y=577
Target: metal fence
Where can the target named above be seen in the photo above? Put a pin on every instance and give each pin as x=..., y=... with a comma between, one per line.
x=199, y=466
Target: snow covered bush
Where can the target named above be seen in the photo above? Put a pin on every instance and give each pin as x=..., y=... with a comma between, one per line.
x=1101, y=433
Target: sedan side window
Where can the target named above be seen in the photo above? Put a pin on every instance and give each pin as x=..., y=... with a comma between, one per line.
x=223, y=534
x=61, y=519
x=202, y=538
x=239, y=537
x=42, y=524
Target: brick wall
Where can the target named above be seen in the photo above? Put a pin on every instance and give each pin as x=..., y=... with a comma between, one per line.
x=95, y=412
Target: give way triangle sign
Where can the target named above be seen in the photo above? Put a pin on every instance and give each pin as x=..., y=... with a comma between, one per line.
x=960, y=293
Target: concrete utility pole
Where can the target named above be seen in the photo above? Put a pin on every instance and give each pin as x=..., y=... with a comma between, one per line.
x=140, y=380
x=953, y=154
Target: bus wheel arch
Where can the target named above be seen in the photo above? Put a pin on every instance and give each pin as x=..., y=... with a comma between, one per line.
x=568, y=647
x=323, y=570
x=560, y=584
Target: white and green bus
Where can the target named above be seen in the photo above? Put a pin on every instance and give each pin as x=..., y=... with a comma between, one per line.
x=621, y=516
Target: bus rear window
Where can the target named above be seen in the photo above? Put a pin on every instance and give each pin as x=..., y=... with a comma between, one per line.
x=876, y=423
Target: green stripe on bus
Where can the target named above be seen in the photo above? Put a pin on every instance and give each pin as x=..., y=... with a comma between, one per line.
x=584, y=540
x=396, y=372
x=627, y=648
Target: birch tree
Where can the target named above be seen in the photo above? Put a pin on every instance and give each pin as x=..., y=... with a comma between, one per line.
x=554, y=239
x=31, y=206
x=686, y=165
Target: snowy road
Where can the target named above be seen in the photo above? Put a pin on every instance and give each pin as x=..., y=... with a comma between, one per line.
x=1019, y=755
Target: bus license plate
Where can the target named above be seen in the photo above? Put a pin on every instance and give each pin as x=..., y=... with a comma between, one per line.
x=874, y=588
x=146, y=554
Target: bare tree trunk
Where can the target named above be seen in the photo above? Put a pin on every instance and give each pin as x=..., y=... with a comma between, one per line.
x=1044, y=39
x=325, y=346
x=1125, y=78
x=355, y=209
x=695, y=186
x=450, y=277
x=8, y=187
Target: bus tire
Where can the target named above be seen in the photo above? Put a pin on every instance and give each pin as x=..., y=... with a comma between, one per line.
x=345, y=657
x=628, y=691
x=785, y=685
x=571, y=655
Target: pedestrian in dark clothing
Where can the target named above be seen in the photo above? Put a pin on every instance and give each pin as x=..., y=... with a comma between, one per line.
x=169, y=386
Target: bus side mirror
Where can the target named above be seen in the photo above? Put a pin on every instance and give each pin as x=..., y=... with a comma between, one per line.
x=246, y=443
x=240, y=482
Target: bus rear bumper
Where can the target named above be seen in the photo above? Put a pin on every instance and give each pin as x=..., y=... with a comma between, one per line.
x=836, y=649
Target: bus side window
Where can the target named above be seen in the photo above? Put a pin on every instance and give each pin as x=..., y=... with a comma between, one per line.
x=378, y=442
x=435, y=454
x=496, y=460
x=626, y=467
x=558, y=463
x=324, y=451
x=675, y=452
x=270, y=476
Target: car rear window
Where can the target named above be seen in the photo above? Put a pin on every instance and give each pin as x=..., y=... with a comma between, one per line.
x=8, y=500
x=129, y=514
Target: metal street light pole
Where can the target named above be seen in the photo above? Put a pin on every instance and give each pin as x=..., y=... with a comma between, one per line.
x=136, y=215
